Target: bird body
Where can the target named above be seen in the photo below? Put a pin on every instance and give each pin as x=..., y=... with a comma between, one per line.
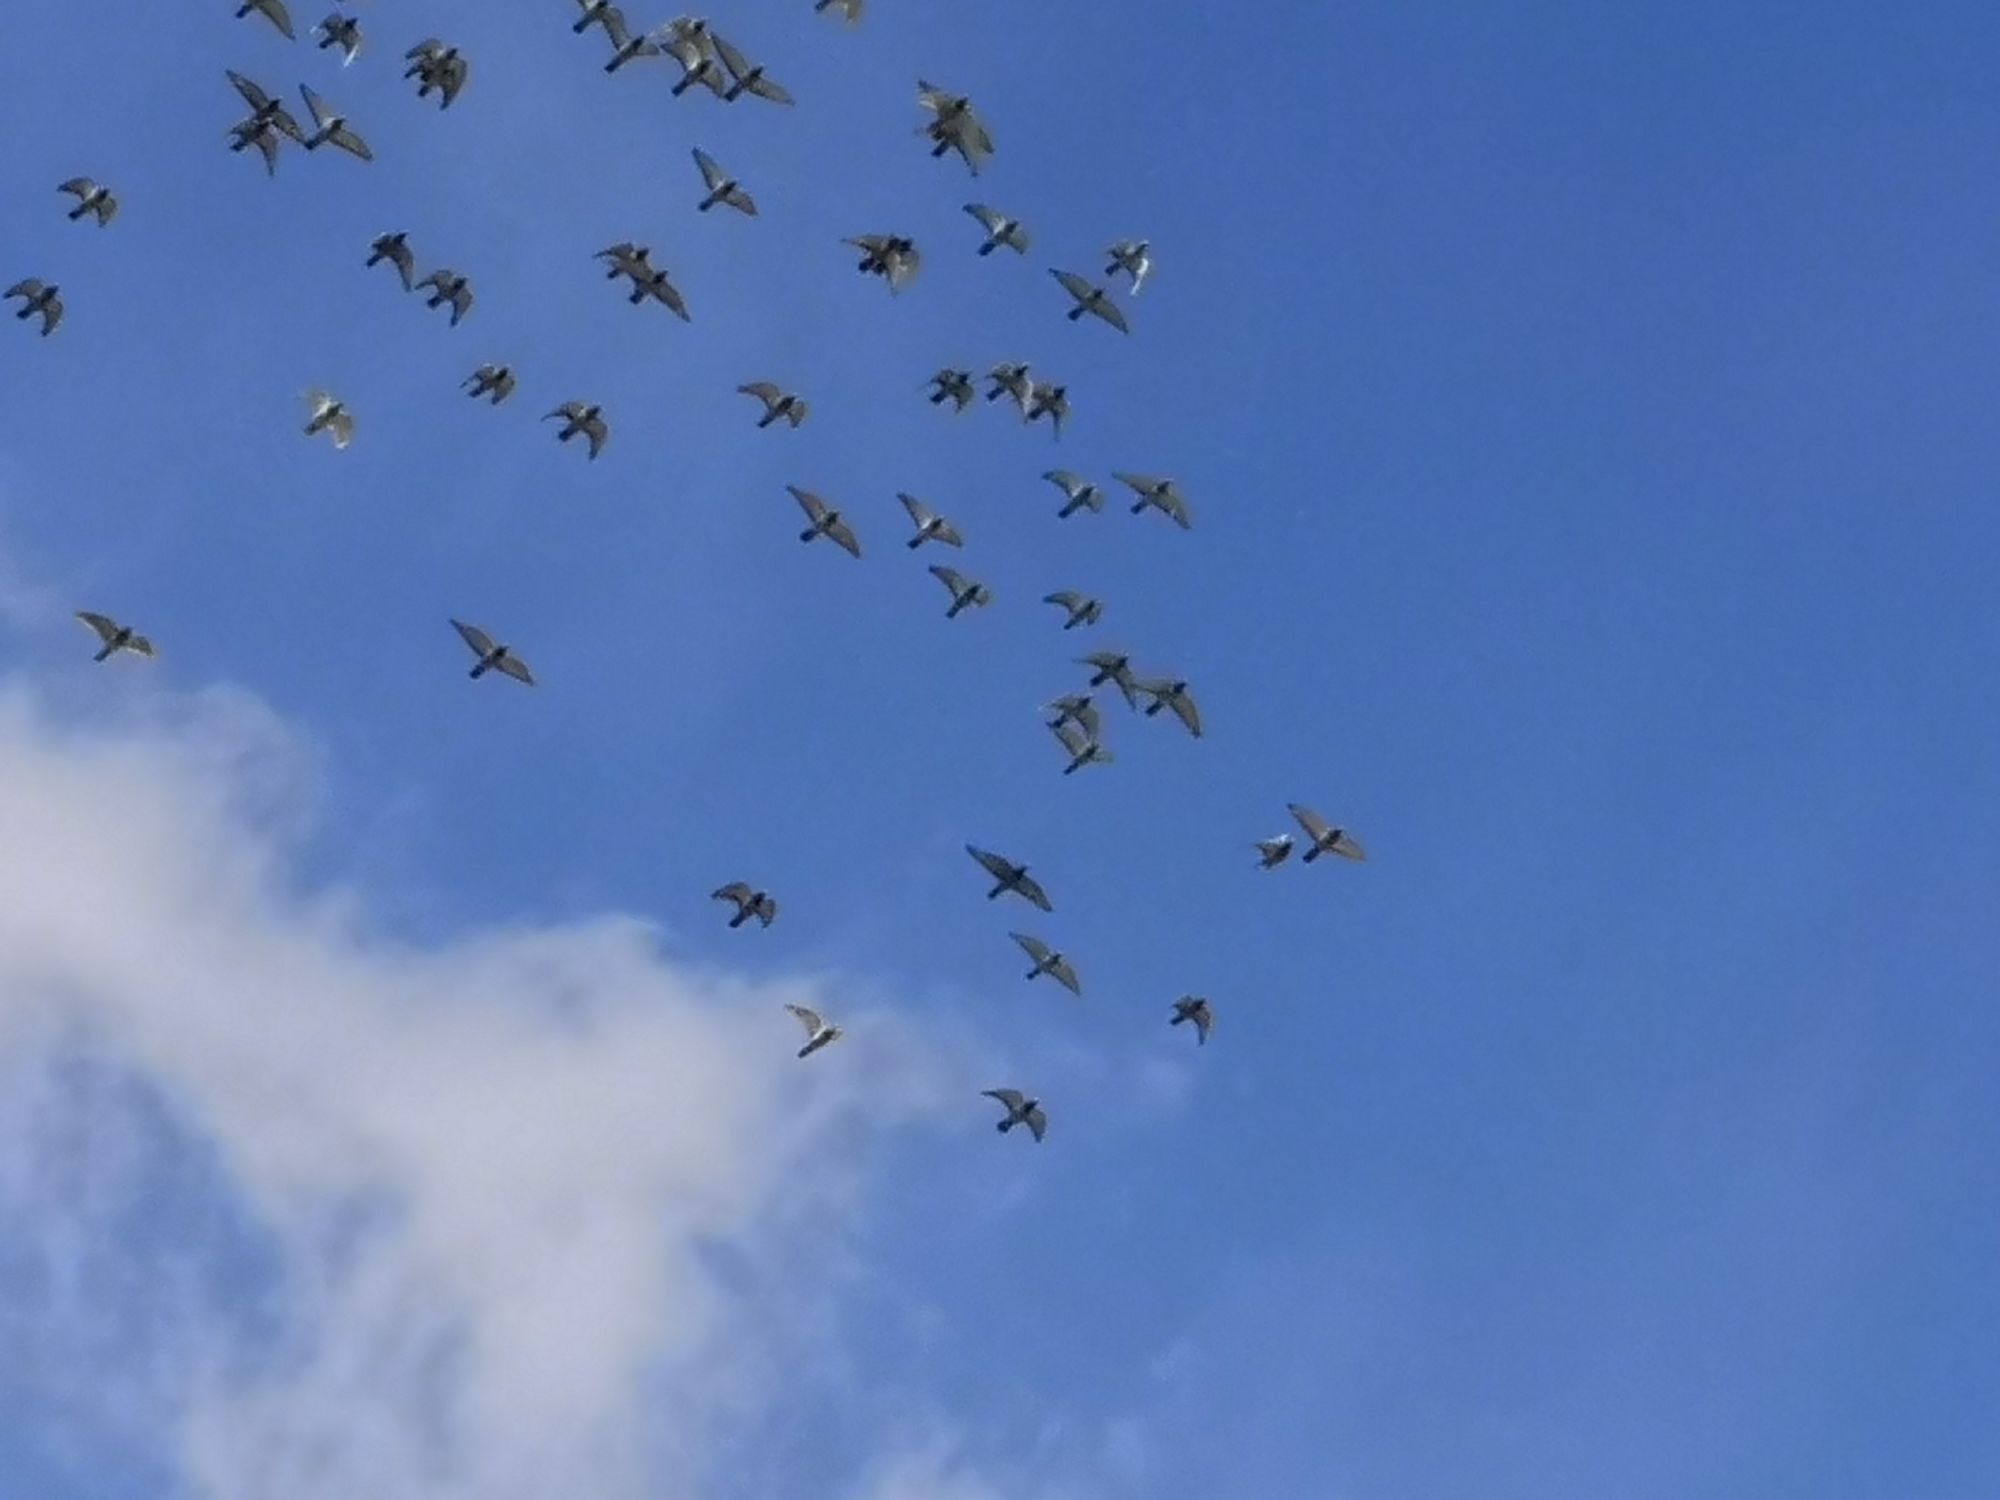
x=1011, y=380
x=746, y=77
x=779, y=405
x=931, y=527
x=1000, y=230
x=1273, y=852
x=966, y=593
x=749, y=902
x=329, y=414
x=1081, y=608
x=38, y=296
x=1162, y=495
x=893, y=257
x=91, y=198
x=1078, y=494
x=1091, y=299
x=826, y=522
x=954, y=386
x=1195, y=1009
x=722, y=188
x=343, y=32
x=493, y=381
x=438, y=69
x=585, y=419
x=1021, y=1110
x=1325, y=838
x=818, y=1033
x=1048, y=961
x=1010, y=877
x=492, y=656
x=395, y=249
x=1171, y=694
x=1133, y=258
x=333, y=128
x=113, y=637
x=449, y=286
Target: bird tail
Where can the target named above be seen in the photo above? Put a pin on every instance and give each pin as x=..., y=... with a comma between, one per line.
x=105, y=654
x=1004, y=1126
x=914, y=542
x=478, y=670
x=1310, y=855
x=78, y=212
x=740, y=918
x=956, y=606
x=988, y=247
x=1177, y=1020
x=638, y=295
x=1075, y=314
x=709, y=202
x=682, y=87
x=806, y=1050
x=768, y=418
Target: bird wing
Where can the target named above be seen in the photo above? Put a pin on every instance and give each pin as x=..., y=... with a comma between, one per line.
x=948, y=534
x=439, y=279
x=1069, y=599
x=814, y=507
x=995, y=866
x=1075, y=285
x=28, y=287
x=951, y=578
x=810, y=1019
x=736, y=891
x=515, y=668
x=992, y=218
x=1034, y=947
x=1348, y=847
x=711, y=173
x=797, y=411
x=457, y=71
x=253, y=94
x=666, y=293
x=504, y=385
x=480, y=642
x=569, y=410
x=612, y=19
x=398, y=254
x=1064, y=975
x=740, y=67
x=741, y=201
x=1074, y=740
x=350, y=141
x=1203, y=1018
x=266, y=143
x=1038, y=1123
x=1085, y=713
x=321, y=112
x=1032, y=889
x=1108, y=310
x=1316, y=827
x=903, y=268
x=766, y=87
x=1142, y=485
x=430, y=49
x=82, y=187
x=106, y=628
x=874, y=244
x=1012, y=1098
x=1067, y=482
x=598, y=432
x=920, y=514
x=342, y=424
x=763, y=390
x=1184, y=709
x=843, y=534
x=280, y=17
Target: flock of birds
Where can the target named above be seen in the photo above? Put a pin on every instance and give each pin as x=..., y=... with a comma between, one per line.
x=952, y=125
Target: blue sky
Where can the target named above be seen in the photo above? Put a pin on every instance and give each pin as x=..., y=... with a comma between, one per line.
x=1586, y=419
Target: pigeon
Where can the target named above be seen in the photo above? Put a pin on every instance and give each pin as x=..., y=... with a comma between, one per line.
x=1115, y=668
x=749, y=903
x=826, y=521
x=1326, y=839
x=1161, y=494
x=635, y=261
x=966, y=593
x=329, y=414
x=38, y=297
x=333, y=128
x=395, y=249
x=1011, y=380
x=1077, y=709
x=818, y=1033
x=722, y=188
x=1051, y=401
x=492, y=656
x=343, y=32
x=1173, y=694
x=850, y=10
x=1078, y=494
x=954, y=126
x=931, y=527
x=954, y=386
x=1091, y=299
x=747, y=77
x=449, y=286
x=1021, y=1110
x=779, y=406
x=113, y=637
x=1000, y=230
x=893, y=257
x=264, y=137
x=1273, y=852
x=1084, y=748
x=1134, y=258
x=691, y=44
x=1194, y=1008
x=596, y=13
x=91, y=198
x=624, y=45
x=493, y=381
x=438, y=68
x=587, y=419
x=1081, y=608
x=265, y=109
x=1049, y=962
x=273, y=11
x=1009, y=876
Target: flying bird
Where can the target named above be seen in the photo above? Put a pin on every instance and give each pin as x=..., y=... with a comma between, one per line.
x=596, y=13
x=492, y=656
x=449, y=286
x=931, y=527
x=1116, y=668
x=1000, y=230
x=265, y=108
x=1094, y=300
x=1051, y=401
x=954, y=126
x=624, y=45
x=1078, y=494
x=91, y=198
x=691, y=44
x=1021, y=1110
x=273, y=11
x=1133, y=258
x=1173, y=694
x=333, y=128
x=779, y=406
x=818, y=1033
x=329, y=414
x=1081, y=608
x=1326, y=839
x=748, y=903
x=38, y=296
x=587, y=419
x=747, y=77
x=849, y=10
x=1077, y=709
x=340, y=31
x=113, y=637
x=1161, y=494
x=954, y=386
x=495, y=382
x=1194, y=1008
x=1048, y=961
x=893, y=257
x=1084, y=749
x=1273, y=852
x=395, y=249
x=437, y=68
x=265, y=138
x=722, y=188
x=1009, y=876
x=826, y=522
x=966, y=593
x=634, y=261
x=1011, y=380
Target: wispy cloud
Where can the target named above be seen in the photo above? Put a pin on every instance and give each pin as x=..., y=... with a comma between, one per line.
x=513, y=1214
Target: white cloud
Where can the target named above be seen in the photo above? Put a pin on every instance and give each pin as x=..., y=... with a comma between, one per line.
x=516, y=1213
